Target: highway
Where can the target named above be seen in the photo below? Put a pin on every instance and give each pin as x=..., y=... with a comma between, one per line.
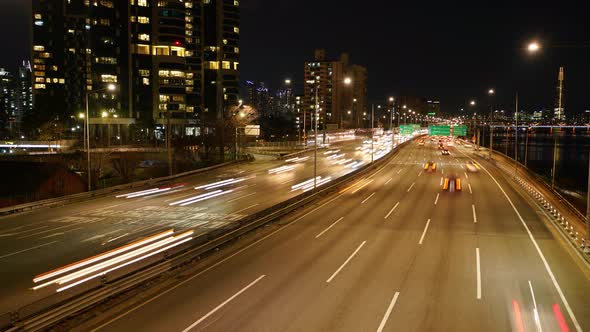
x=42, y=240
x=393, y=252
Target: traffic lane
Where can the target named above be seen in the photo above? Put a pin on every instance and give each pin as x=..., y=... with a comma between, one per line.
x=570, y=273
x=335, y=238
x=274, y=252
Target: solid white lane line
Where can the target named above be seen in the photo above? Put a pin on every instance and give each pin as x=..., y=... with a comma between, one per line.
x=345, y=262
x=470, y=191
x=420, y=173
x=388, y=312
x=424, y=233
x=436, y=200
x=198, y=274
x=244, y=209
x=474, y=215
x=535, y=310
x=361, y=187
x=411, y=186
x=478, y=267
x=238, y=198
x=372, y=175
x=466, y=176
x=536, y=245
x=25, y=250
x=391, y=211
x=366, y=199
x=388, y=180
x=223, y=304
x=327, y=229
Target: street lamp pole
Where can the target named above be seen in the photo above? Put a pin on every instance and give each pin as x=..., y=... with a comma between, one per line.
x=588, y=203
x=491, y=92
x=372, y=130
x=87, y=131
x=516, y=137
x=315, y=151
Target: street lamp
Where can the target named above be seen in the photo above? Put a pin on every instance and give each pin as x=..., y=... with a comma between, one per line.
x=533, y=47
x=110, y=87
x=316, y=83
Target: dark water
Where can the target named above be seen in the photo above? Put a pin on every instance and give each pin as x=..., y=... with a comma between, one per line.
x=572, y=148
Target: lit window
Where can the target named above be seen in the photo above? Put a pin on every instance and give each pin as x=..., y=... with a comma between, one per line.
x=39, y=86
x=107, y=78
x=164, y=98
x=236, y=50
x=38, y=16
x=164, y=73
x=39, y=48
x=142, y=3
x=236, y=30
x=39, y=24
x=225, y=42
x=236, y=3
x=39, y=79
x=143, y=49
x=176, y=73
x=145, y=81
x=213, y=65
x=188, y=5
x=225, y=65
x=161, y=50
x=236, y=65
x=143, y=19
x=143, y=36
x=144, y=72
x=106, y=3
x=62, y=81
x=104, y=21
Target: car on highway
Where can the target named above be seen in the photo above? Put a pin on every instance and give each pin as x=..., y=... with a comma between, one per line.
x=472, y=166
x=445, y=151
x=451, y=183
x=430, y=166
x=421, y=143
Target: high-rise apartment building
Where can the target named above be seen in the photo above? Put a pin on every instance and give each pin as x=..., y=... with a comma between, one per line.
x=171, y=61
x=341, y=91
x=7, y=100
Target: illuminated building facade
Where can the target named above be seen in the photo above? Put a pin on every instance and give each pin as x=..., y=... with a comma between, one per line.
x=164, y=57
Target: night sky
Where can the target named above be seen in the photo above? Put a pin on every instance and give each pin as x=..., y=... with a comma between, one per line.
x=448, y=53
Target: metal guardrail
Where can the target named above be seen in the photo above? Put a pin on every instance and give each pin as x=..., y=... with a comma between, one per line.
x=576, y=238
x=47, y=312
x=59, y=201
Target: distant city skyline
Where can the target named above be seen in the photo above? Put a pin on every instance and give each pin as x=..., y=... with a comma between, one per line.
x=453, y=54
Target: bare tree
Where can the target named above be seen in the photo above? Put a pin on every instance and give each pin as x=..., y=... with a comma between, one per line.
x=125, y=165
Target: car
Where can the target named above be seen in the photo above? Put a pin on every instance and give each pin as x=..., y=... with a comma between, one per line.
x=451, y=183
x=445, y=152
x=421, y=143
x=430, y=166
x=472, y=166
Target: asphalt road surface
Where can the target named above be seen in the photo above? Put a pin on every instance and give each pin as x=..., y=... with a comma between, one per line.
x=392, y=253
x=36, y=242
